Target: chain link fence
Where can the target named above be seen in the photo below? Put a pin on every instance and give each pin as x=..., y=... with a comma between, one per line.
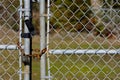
x=9, y=26
x=84, y=39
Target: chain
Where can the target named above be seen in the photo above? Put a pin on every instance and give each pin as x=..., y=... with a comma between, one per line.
x=34, y=55
x=38, y=55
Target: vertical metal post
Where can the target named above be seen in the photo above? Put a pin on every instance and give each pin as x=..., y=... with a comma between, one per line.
x=48, y=23
x=27, y=42
x=42, y=39
x=20, y=41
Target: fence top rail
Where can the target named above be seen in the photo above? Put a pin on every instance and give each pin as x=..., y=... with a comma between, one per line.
x=9, y=47
x=85, y=51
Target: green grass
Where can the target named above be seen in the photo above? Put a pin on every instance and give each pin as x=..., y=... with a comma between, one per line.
x=9, y=65
x=70, y=67
x=83, y=40
x=67, y=66
x=80, y=66
x=36, y=69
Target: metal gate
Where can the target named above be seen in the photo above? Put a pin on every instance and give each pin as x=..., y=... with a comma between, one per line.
x=16, y=34
x=81, y=37
x=10, y=58
x=84, y=40
x=15, y=24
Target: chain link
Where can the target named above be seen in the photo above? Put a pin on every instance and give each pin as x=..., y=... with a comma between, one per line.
x=84, y=38
x=38, y=53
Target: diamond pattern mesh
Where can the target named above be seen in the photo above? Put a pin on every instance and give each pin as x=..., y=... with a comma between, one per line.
x=85, y=25
x=9, y=20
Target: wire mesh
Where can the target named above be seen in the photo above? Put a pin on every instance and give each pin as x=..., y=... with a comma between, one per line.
x=84, y=25
x=9, y=34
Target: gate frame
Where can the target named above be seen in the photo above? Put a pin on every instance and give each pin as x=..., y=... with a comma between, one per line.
x=42, y=39
x=44, y=42
x=27, y=45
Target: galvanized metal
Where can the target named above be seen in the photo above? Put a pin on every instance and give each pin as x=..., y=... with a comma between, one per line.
x=48, y=30
x=10, y=17
x=8, y=47
x=27, y=41
x=85, y=51
x=76, y=45
x=84, y=39
x=20, y=40
x=42, y=40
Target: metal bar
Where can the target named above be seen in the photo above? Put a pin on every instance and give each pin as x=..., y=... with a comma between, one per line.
x=27, y=42
x=48, y=30
x=42, y=39
x=8, y=47
x=85, y=51
x=20, y=41
x=21, y=9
